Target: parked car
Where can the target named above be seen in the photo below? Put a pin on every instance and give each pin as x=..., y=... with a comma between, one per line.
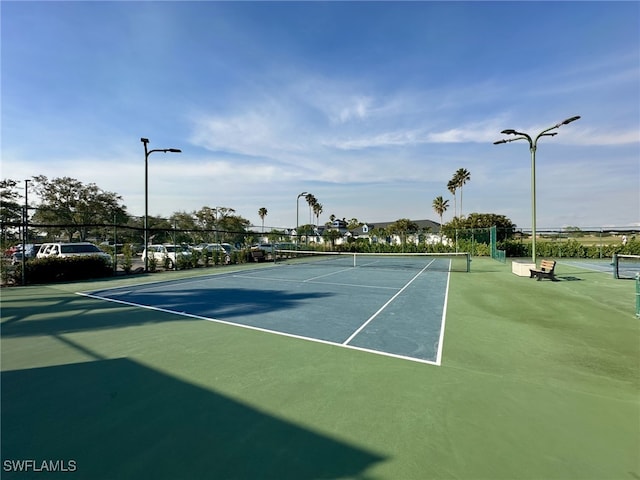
x=65, y=250
x=262, y=251
x=168, y=253
x=211, y=248
x=30, y=251
x=229, y=248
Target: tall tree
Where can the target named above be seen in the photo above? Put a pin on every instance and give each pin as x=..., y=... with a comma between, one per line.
x=317, y=210
x=206, y=221
x=330, y=235
x=354, y=223
x=505, y=226
x=76, y=207
x=262, y=212
x=10, y=208
x=440, y=206
x=452, y=187
x=461, y=177
x=183, y=228
x=311, y=200
x=402, y=227
x=233, y=227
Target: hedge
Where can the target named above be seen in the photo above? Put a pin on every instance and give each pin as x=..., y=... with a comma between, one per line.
x=51, y=269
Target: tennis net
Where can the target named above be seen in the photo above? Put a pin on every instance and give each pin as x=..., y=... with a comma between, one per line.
x=450, y=262
x=626, y=266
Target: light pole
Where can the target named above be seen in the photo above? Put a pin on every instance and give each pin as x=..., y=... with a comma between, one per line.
x=145, y=141
x=532, y=148
x=297, y=213
x=25, y=234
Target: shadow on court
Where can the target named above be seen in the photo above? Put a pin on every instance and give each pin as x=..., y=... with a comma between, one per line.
x=48, y=315
x=119, y=419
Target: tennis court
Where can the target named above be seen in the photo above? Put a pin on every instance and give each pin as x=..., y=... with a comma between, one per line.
x=537, y=379
x=387, y=304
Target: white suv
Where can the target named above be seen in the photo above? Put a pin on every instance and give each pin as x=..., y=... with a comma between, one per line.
x=64, y=250
x=162, y=253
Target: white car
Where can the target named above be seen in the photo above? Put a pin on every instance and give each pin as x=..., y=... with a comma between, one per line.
x=168, y=253
x=65, y=250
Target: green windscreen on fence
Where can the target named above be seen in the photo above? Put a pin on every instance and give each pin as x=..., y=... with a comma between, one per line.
x=496, y=254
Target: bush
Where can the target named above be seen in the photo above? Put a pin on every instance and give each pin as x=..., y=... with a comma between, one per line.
x=195, y=257
x=127, y=262
x=152, y=263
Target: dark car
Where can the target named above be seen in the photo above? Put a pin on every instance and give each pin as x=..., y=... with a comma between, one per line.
x=29, y=252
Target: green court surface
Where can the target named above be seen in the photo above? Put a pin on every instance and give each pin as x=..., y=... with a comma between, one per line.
x=538, y=380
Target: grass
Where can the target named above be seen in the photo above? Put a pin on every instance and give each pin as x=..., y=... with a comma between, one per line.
x=539, y=381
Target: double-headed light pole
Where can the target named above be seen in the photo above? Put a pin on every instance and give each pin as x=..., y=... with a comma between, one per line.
x=145, y=141
x=532, y=147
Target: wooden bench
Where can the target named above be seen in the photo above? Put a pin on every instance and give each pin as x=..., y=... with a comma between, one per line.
x=546, y=270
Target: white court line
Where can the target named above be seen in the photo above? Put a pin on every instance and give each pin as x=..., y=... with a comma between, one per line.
x=259, y=329
x=290, y=335
x=385, y=305
x=442, y=323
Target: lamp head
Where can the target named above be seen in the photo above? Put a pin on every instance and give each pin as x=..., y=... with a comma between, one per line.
x=144, y=140
x=174, y=150
x=569, y=120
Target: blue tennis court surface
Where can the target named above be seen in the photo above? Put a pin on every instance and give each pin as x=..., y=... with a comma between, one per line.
x=396, y=312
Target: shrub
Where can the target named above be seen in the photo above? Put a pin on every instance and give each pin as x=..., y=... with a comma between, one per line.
x=195, y=257
x=182, y=262
x=127, y=262
x=152, y=263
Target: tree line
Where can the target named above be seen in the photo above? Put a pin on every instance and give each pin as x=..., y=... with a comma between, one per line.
x=76, y=211
x=70, y=209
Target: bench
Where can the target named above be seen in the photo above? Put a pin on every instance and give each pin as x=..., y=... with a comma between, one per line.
x=546, y=270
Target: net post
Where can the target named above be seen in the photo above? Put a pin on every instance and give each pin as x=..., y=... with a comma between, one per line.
x=468, y=262
x=615, y=266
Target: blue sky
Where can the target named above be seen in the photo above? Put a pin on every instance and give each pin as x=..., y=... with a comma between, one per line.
x=371, y=107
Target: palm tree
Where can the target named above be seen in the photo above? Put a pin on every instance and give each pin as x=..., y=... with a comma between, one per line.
x=452, y=188
x=462, y=176
x=311, y=200
x=317, y=210
x=262, y=213
x=440, y=206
